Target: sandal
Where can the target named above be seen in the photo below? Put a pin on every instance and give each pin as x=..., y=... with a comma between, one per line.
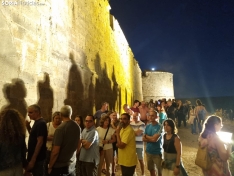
x=104, y=171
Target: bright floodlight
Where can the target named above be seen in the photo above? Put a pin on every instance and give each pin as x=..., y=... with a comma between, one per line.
x=152, y=69
x=225, y=136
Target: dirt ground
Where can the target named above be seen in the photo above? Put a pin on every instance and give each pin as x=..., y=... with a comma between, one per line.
x=189, y=149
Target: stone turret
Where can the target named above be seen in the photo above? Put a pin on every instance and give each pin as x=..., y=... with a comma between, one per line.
x=157, y=85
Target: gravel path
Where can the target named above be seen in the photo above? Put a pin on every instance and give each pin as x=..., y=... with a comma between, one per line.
x=189, y=149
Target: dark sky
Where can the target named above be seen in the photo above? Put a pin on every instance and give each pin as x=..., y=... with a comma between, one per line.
x=193, y=39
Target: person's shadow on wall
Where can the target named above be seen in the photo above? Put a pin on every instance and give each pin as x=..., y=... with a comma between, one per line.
x=15, y=94
x=104, y=90
x=75, y=89
x=46, y=97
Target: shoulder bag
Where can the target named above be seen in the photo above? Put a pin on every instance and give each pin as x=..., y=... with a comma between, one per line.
x=202, y=158
x=101, y=147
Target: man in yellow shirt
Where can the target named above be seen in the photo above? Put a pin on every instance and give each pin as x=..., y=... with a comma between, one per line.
x=126, y=144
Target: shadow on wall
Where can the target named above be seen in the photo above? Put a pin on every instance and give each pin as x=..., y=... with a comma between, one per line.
x=115, y=91
x=120, y=99
x=15, y=94
x=103, y=89
x=89, y=103
x=75, y=89
x=46, y=97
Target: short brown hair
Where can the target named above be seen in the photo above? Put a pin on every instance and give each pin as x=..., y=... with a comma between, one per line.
x=56, y=113
x=103, y=119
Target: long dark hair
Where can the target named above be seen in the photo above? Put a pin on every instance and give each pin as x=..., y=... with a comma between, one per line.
x=12, y=126
x=209, y=125
x=81, y=121
x=199, y=103
x=171, y=123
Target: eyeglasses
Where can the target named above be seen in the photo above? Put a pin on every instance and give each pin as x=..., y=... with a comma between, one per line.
x=122, y=118
x=88, y=121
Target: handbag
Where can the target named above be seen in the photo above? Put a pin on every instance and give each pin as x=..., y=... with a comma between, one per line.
x=101, y=147
x=203, y=159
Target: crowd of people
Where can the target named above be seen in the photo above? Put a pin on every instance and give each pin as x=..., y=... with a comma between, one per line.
x=98, y=143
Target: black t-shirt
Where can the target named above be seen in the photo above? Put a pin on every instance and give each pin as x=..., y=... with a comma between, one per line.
x=67, y=136
x=39, y=129
x=168, y=145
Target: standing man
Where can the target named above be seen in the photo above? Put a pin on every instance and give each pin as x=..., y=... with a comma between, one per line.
x=181, y=114
x=97, y=115
x=36, y=142
x=65, y=143
x=170, y=110
x=143, y=111
x=153, y=137
x=126, y=144
x=127, y=109
x=135, y=107
x=139, y=128
x=89, y=152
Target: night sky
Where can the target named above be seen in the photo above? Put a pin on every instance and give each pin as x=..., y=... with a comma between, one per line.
x=193, y=39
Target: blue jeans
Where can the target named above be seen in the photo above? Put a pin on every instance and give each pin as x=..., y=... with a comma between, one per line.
x=200, y=123
x=194, y=126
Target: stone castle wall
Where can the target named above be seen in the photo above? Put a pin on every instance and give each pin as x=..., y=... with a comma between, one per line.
x=157, y=85
x=65, y=52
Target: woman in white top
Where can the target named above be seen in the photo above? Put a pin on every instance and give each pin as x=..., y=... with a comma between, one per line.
x=51, y=127
x=193, y=120
x=106, y=143
x=114, y=124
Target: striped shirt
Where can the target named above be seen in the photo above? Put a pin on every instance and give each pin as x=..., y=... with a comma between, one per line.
x=138, y=126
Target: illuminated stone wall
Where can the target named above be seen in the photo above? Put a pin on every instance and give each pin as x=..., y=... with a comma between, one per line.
x=157, y=85
x=65, y=52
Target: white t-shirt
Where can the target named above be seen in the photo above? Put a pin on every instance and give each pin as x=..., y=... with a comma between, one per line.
x=51, y=131
x=101, y=132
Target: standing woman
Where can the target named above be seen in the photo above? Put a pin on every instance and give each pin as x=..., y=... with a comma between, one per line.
x=200, y=112
x=106, y=138
x=80, y=122
x=216, y=148
x=12, y=143
x=51, y=127
x=162, y=115
x=172, y=146
x=114, y=124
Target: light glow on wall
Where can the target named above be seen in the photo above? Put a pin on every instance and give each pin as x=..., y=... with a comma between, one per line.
x=123, y=48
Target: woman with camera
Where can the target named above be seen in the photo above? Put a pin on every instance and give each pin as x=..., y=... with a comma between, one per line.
x=218, y=151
